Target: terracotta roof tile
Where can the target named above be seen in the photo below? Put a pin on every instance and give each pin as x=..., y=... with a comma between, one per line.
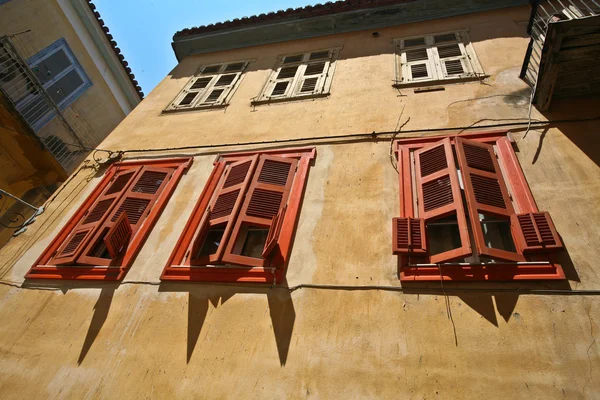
x=289, y=14
x=116, y=49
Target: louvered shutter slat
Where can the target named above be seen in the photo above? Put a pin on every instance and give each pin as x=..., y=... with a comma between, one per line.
x=408, y=236
x=70, y=251
x=486, y=192
x=274, y=230
x=266, y=196
x=535, y=232
x=224, y=207
x=117, y=238
x=439, y=194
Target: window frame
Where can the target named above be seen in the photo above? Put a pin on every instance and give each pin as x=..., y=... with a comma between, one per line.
x=292, y=92
x=199, y=102
x=472, y=67
x=60, y=44
x=522, y=199
x=179, y=268
x=42, y=270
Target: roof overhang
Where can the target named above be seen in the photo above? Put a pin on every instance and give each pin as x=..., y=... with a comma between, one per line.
x=291, y=28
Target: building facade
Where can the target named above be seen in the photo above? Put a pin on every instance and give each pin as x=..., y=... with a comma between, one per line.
x=347, y=200
x=65, y=86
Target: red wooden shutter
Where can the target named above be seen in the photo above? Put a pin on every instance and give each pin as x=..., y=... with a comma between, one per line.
x=200, y=233
x=71, y=249
x=535, y=232
x=485, y=190
x=117, y=238
x=408, y=236
x=274, y=231
x=439, y=194
x=225, y=206
x=267, y=194
x=137, y=201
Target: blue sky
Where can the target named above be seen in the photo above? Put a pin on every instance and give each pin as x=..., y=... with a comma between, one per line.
x=143, y=29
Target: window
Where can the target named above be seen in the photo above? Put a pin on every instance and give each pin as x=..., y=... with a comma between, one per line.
x=242, y=227
x=211, y=86
x=467, y=213
x=441, y=57
x=58, y=71
x=300, y=76
x=103, y=237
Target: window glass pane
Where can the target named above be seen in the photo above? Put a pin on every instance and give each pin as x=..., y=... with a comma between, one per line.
x=414, y=42
x=443, y=235
x=66, y=85
x=291, y=59
x=448, y=37
x=100, y=250
x=211, y=70
x=51, y=66
x=212, y=241
x=496, y=232
x=255, y=242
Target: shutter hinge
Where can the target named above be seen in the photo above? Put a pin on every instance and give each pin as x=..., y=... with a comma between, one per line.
x=187, y=254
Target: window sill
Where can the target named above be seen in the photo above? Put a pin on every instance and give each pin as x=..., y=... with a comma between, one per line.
x=287, y=99
x=481, y=273
x=202, y=108
x=440, y=82
x=221, y=274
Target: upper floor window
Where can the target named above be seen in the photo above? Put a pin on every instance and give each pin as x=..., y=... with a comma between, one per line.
x=60, y=74
x=212, y=86
x=440, y=57
x=243, y=225
x=103, y=237
x=302, y=75
x=467, y=213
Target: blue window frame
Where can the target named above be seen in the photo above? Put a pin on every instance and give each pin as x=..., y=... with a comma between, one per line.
x=62, y=76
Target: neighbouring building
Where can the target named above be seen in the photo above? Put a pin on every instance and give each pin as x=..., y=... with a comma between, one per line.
x=64, y=86
x=360, y=199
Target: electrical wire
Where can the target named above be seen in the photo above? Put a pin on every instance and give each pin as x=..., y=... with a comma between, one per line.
x=361, y=136
x=350, y=288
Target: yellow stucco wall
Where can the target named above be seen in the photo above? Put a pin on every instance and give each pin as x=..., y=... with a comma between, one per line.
x=140, y=338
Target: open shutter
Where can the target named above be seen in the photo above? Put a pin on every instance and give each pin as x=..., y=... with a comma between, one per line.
x=201, y=233
x=117, y=238
x=71, y=249
x=137, y=201
x=194, y=92
x=314, y=73
x=486, y=192
x=439, y=194
x=452, y=56
x=224, y=207
x=416, y=60
x=217, y=94
x=535, y=232
x=408, y=236
x=274, y=231
x=282, y=83
x=267, y=194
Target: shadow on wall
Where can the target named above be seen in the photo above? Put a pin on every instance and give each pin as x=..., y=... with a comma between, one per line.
x=582, y=134
x=490, y=298
x=281, y=310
